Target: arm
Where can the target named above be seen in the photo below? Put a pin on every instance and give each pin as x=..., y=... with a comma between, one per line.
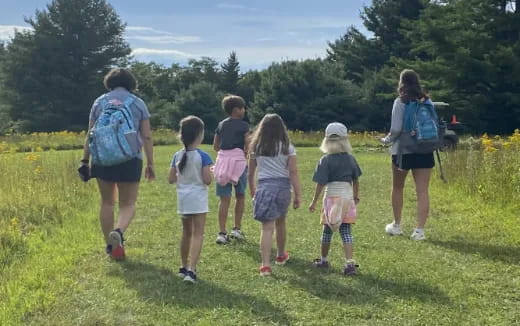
x=317, y=194
x=206, y=175
x=146, y=133
x=172, y=175
x=396, y=126
x=251, y=176
x=216, y=143
x=355, y=186
x=295, y=181
x=247, y=140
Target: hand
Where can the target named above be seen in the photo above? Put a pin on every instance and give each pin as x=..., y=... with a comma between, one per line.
x=312, y=206
x=149, y=173
x=252, y=191
x=356, y=200
x=297, y=201
x=84, y=172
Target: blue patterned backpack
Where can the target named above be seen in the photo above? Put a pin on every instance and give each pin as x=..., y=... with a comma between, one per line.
x=421, y=130
x=113, y=138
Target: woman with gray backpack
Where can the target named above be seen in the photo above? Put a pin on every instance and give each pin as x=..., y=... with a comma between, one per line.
x=414, y=135
x=119, y=128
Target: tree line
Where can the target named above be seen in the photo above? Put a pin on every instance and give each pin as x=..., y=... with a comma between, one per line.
x=466, y=51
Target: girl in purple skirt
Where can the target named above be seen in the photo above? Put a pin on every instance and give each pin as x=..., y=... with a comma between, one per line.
x=273, y=162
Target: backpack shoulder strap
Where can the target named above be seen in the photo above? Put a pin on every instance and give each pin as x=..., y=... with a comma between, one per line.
x=129, y=100
x=104, y=102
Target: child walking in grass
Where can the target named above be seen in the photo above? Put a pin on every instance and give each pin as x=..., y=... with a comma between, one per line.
x=190, y=170
x=338, y=173
x=230, y=171
x=273, y=162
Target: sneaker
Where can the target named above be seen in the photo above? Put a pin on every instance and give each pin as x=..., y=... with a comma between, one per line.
x=183, y=272
x=350, y=269
x=418, y=235
x=191, y=277
x=319, y=263
x=116, y=241
x=222, y=238
x=237, y=234
x=265, y=271
x=393, y=229
x=281, y=260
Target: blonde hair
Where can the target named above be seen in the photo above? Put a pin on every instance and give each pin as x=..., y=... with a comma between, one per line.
x=335, y=145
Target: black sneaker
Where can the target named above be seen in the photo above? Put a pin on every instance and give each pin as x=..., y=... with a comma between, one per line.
x=191, y=277
x=222, y=238
x=183, y=272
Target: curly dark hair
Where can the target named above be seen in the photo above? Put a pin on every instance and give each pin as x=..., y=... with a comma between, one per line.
x=229, y=102
x=409, y=88
x=120, y=77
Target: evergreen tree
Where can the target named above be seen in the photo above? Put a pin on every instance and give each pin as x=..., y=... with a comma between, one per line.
x=54, y=72
x=231, y=74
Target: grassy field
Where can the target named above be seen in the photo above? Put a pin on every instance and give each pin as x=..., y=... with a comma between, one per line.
x=466, y=273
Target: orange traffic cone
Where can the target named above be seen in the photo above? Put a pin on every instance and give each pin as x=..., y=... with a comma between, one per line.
x=454, y=119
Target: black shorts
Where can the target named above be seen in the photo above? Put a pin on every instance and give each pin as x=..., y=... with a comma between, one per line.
x=125, y=172
x=415, y=161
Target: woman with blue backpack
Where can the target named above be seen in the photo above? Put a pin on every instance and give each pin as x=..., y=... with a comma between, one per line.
x=119, y=128
x=414, y=135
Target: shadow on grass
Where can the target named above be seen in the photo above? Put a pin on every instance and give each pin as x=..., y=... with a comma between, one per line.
x=164, y=287
x=361, y=289
x=507, y=254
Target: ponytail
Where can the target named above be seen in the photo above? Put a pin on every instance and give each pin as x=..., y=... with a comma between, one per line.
x=184, y=159
x=191, y=129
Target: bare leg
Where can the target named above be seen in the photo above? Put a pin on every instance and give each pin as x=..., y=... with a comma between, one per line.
x=186, y=240
x=197, y=237
x=422, y=181
x=349, y=250
x=266, y=242
x=107, y=191
x=239, y=210
x=281, y=234
x=127, y=197
x=223, y=209
x=398, y=178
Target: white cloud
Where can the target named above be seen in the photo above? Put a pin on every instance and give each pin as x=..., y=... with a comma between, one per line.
x=156, y=36
x=7, y=31
x=265, y=39
x=161, y=52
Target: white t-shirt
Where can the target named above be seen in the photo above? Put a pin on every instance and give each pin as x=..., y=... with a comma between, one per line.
x=274, y=166
x=192, y=192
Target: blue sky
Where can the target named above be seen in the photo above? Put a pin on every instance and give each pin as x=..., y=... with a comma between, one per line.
x=260, y=31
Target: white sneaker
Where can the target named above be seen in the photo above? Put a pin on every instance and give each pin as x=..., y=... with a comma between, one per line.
x=418, y=235
x=237, y=234
x=393, y=229
x=222, y=238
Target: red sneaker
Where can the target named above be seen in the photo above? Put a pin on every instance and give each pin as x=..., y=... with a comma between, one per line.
x=118, y=253
x=118, y=249
x=281, y=260
x=265, y=271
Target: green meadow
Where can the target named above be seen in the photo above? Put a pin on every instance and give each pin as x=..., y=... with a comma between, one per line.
x=53, y=269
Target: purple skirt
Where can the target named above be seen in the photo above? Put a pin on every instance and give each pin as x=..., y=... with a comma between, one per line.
x=272, y=199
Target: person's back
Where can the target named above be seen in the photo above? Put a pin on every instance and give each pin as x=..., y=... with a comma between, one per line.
x=231, y=166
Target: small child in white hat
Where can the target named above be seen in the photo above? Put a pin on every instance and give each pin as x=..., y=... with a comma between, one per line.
x=337, y=172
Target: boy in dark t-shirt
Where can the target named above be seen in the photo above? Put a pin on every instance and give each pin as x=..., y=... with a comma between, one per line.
x=231, y=133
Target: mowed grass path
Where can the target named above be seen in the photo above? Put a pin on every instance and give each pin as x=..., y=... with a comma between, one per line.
x=466, y=273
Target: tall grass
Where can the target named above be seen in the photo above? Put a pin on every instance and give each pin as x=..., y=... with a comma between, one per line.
x=490, y=170
x=37, y=190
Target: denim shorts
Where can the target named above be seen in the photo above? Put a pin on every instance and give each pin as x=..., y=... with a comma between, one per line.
x=240, y=187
